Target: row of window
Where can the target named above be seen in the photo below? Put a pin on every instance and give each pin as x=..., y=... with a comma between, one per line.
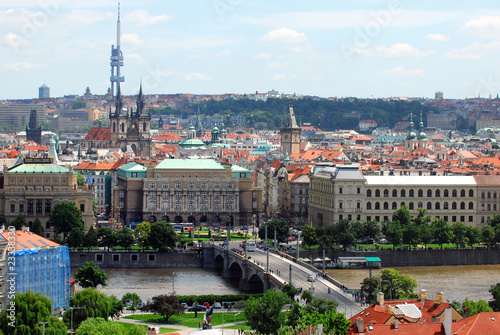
x=190, y=185
x=215, y=175
x=411, y=205
x=179, y=195
x=445, y=218
x=33, y=207
x=190, y=207
x=420, y=193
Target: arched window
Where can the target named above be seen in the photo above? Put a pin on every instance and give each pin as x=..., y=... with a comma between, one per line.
x=144, y=126
x=394, y=193
x=471, y=193
x=489, y=195
x=114, y=127
x=462, y=205
x=340, y=204
x=454, y=193
x=429, y=193
x=445, y=194
x=437, y=205
x=429, y=205
x=368, y=193
x=368, y=205
x=403, y=193
x=412, y=193
x=482, y=195
x=420, y=193
x=445, y=205
x=471, y=205
x=394, y=205
x=358, y=205
x=438, y=193
x=410, y=205
x=386, y=193
x=402, y=203
x=386, y=205
x=453, y=205
x=462, y=193
x=377, y=205
x=123, y=127
x=377, y=193
x=420, y=204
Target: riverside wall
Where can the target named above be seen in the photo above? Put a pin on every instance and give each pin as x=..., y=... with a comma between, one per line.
x=137, y=259
x=428, y=257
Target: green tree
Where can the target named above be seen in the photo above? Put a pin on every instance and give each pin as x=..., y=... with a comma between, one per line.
x=459, y=234
x=441, y=232
x=264, y=314
x=64, y=217
x=282, y=230
x=396, y=285
x=80, y=180
x=357, y=230
x=344, y=234
x=162, y=236
x=90, y=275
x=93, y=326
x=125, y=238
x=411, y=235
x=475, y=307
x=290, y=291
x=371, y=229
x=321, y=306
x=403, y=216
x=165, y=305
x=106, y=237
x=309, y=236
x=473, y=235
x=133, y=297
x=495, y=292
x=30, y=308
x=90, y=239
x=488, y=235
x=37, y=228
x=425, y=233
x=76, y=237
x=135, y=330
x=115, y=306
x=331, y=321
x=370, y=286
x=19, y=222
x=393, y=232
x=307, y=296
x=95, y=305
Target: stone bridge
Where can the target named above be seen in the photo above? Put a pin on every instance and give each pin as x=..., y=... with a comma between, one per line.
x=252, y=277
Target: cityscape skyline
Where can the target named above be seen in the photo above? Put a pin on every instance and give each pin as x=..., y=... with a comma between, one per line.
x=365, y=49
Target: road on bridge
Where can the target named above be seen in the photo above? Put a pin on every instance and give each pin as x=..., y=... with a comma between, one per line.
x=280, y=265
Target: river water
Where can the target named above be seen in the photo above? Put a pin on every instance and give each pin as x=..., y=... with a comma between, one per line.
x=456, y=282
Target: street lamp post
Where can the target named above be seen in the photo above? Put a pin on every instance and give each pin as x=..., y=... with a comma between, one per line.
x=235, y=321
x=72, y=308
x=43, y=326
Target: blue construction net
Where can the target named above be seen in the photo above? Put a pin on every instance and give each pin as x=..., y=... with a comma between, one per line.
x=45, y=271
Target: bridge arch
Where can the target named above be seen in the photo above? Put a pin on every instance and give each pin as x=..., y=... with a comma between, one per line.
x=235, y=270
x=219, y=262
x=255, y=284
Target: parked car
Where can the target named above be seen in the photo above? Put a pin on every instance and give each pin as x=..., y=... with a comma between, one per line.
x=199, y=308
x=184, y=305
x=217, y=305
x=206, y=304
x=310, y=278
x=227, y=304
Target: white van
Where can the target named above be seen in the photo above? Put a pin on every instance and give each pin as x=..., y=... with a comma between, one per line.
x=251, y=246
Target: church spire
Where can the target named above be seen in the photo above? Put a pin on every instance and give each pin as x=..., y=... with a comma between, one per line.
x=118, y=101
x=140, y=102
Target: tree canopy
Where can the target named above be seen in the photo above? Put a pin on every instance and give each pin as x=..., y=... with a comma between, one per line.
x=64, y=217
x=90, y=275
x=95, y=304
x=393, y=284
x=162, y=236
x=165, y=304
x=282, y=230
x=264, y=314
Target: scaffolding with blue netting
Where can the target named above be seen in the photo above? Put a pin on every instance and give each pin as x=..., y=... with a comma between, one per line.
x=46, y=271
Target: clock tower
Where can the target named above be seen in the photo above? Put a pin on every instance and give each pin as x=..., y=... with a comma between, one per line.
x=290, y=134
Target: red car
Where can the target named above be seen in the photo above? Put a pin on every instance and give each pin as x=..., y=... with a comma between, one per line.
x=206, y=304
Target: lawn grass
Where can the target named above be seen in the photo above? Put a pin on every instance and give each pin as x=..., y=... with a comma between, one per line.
x=188, y=319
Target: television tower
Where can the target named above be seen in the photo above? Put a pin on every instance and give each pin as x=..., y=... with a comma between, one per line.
x=116, y=59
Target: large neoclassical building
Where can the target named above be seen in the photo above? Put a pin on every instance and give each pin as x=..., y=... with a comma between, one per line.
x=343, y=192
x=199, y=191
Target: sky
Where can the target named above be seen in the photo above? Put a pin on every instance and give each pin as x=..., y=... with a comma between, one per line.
x=326, y=48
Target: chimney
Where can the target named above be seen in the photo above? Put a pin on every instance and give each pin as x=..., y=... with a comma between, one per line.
x=447, y=321
x=422, y=295
x=380, y=298
x=466, y=312
x=27, y=229
x=360, y=325
x=439, y=297
x=396, y=324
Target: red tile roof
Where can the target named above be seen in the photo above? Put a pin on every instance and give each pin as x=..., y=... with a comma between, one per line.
x=98, y=134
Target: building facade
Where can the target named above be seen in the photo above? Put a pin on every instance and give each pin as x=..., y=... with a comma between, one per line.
x=32, y=186
x=343, y=192
x=19, y=115
x=199, y=191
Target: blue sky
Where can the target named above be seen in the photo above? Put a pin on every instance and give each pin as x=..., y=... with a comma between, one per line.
x=364, y=48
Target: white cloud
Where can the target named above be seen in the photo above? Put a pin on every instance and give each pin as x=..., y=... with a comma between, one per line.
x=276, y=65
x=206, y=55
x=400, y=50
x=484, y=22
x=317, y=78
x=15, y=41
x=141, y=17
x=284, y=35
x=132, y=38
x=23, y=66
x=196, y=76
x=437, y=37
x=401, y=71
x=475, y=51
x=265, y=55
